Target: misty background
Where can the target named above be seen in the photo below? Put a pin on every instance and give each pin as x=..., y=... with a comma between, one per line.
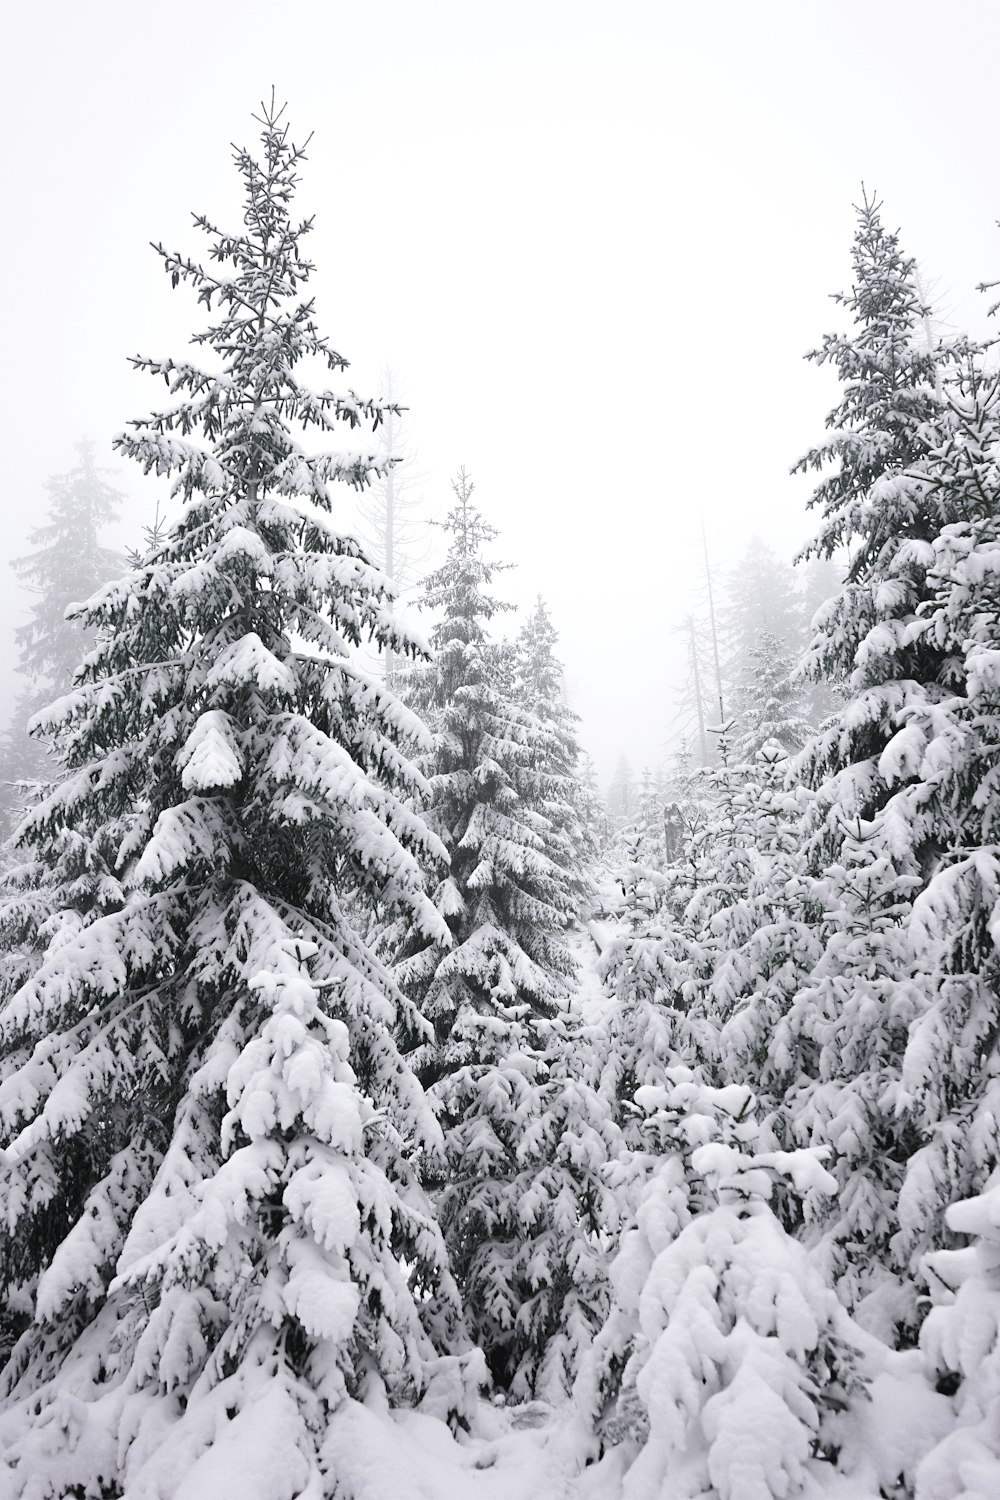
x=593, y=243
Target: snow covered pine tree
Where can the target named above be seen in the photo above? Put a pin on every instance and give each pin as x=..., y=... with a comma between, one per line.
x=876, y=501
x=869, y=836
x=522, y=1204
x=67, y=564
x=208, y=1129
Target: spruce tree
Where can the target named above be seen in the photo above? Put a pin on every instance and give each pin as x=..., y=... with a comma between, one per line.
x=754, y=922
x=882, y=504
x=877, y=503
x=539, y=687
x=521, y=1204
x=760, y=598
x=211, y=1140
x=647, y=969
x=767, y=701
x=67, y=564
x=842, y=1044
x=944, y=759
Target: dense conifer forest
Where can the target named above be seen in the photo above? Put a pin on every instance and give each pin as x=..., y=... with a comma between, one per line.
x=388, y=1110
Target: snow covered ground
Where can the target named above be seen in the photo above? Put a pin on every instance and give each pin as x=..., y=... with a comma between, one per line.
x=522, y=1455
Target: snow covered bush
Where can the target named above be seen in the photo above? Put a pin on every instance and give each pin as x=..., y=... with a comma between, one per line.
x=728, y=1369
x=961, y=1342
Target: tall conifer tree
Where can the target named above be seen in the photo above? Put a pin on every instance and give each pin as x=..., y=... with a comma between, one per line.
x=875, y=499
x=871, y=833
x=209, y=1133
x=559, y=794
x=67, y=564
x=522, y=1204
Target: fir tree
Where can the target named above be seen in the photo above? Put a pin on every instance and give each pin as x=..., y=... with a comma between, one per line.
x=647, y=828
x=841, y=1047
x=881, y=503
x=647, y=970
x=755, y=925
x=760, y=598
x=945, y=761
x=519, y=1200
x=67, y=564
x=876, y=501
x=210, y=1177
x=558, y=793
x=505, y=903
x=767, y=701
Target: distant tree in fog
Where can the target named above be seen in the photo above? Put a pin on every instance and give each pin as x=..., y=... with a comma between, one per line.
x=67, y=563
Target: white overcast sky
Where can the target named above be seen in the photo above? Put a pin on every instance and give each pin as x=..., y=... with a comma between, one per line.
x=594, y=241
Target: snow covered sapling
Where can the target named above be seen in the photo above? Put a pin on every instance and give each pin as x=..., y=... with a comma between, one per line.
x=725, y=1357
x=208, y=1177
x=843, y=1041
x=647, y=971
x=755, y=922
x=960, y=1341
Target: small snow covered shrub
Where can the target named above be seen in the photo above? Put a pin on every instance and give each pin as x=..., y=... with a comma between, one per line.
x=726, y=1363
x=961, y=1342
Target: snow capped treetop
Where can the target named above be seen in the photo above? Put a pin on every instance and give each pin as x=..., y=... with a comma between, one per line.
x=876, y=495
x=498, y=803
x=540, y=673
x=888, y=374
x=457, y=587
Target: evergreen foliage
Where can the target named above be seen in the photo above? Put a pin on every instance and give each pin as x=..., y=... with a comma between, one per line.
x=961, y=1344
x=520, y=1204
x=945, y=760
x=211, y=1140
x=311, y=1125
x=876, y=501
x=768, y=704
x=558, y=793
x=67, y=564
